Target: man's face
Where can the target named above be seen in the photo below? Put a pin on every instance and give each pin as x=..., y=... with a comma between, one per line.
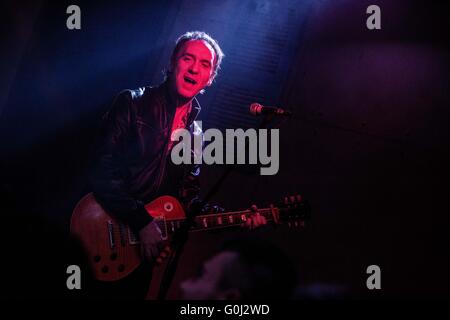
x=207, y=284
x=193, y=68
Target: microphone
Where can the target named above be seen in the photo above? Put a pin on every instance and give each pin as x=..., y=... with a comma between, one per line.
x=257, y=109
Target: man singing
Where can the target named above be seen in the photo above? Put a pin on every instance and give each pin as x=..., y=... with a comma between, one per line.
x=134, y=165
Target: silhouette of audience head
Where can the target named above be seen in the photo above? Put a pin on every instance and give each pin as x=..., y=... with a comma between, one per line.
x=243, y=269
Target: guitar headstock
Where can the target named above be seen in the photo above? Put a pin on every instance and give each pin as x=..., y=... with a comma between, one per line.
x=294, y=210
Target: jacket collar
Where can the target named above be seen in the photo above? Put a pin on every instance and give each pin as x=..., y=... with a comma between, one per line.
x=195, y=105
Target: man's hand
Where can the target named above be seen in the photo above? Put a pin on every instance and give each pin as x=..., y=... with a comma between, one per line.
x=255, y=220
x=151, y=241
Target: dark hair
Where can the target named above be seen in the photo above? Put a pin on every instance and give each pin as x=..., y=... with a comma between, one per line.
x=262, y=270
x=199, y=35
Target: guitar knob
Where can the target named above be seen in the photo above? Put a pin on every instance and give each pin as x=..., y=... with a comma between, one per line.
x=168, y=206
x=113, y=256
x=105, y=269
x=97, y=258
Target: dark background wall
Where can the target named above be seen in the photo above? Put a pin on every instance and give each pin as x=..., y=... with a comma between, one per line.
x=368, y=143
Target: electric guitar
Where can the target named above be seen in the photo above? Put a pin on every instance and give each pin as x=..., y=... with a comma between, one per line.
x=114, y=252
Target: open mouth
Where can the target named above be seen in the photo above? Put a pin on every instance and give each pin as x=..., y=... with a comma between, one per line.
x=190, y=80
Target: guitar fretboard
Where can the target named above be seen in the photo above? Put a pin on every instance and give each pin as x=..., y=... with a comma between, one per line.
x=227, y=219
x=220, y=220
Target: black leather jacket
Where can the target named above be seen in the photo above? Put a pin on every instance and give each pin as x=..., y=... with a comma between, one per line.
x=134, y=165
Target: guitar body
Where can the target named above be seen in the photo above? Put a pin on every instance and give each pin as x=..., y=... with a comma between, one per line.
x=112, y=249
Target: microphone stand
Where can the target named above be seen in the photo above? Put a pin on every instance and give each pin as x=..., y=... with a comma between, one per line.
x=180, y=236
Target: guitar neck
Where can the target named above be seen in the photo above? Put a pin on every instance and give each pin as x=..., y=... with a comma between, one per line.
x=230, y=219
x=293, y=213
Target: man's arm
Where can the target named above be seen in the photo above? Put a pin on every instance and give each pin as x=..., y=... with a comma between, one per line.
x=108, y=181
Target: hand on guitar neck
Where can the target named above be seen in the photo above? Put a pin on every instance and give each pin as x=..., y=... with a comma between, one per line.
x=255, y=220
